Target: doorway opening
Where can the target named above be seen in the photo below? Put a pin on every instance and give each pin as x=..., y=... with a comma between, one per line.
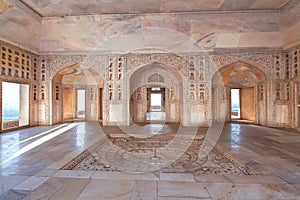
x=80, y=104
x=15, y=105
x=156, y=104
x=74, y=104
x=235, y=93
x=235, y=104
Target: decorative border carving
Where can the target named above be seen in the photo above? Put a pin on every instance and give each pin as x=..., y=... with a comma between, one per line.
x=263, y=62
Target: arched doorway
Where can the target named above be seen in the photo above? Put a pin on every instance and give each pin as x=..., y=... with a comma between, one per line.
x=155, y=94
x=236, y=93
x=76, y=94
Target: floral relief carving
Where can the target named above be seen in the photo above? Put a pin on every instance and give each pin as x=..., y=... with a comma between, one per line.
x=171, y=60
x=263, y=62
x=277, y=93
x=58, y=62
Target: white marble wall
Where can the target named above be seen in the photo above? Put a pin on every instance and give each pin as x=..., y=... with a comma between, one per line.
x=192, y=111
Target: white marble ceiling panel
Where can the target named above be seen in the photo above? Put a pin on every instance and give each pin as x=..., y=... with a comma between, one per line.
x=66, y=25
x=20, y=28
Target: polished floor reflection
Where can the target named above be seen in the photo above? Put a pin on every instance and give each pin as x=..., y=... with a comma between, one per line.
x=156, y=116
x=32, y=160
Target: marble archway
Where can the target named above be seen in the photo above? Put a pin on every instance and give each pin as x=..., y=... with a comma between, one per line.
x=170, y=86
x=248, y=79
x=65, y=86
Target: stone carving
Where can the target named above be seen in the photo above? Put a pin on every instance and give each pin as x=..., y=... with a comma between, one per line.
x=15, y=64
x=263, y=62
x=174, y=61
x=156, y=78
x=59, y=62
x=277, y=66
x=187, y=78
x=120, y=147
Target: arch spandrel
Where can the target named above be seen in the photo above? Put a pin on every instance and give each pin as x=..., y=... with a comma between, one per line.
x=60, y=62
x=172, y=61
x=141, y=75
x=262, y=62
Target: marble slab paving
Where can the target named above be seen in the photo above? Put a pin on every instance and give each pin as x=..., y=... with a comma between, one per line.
x=31, y=183
x=9, y=182
x=287, y=138
x=182, y=190
x=254, y=179
x=174, y=198
x=124, y=176
x=46, y=172
x=290, y=178
x=73, y=174
x=251, y=191
x=69, y=157
x=59, y=188
x=14, y=195
x=145, y=190
x=119, y=190
x=177, y=177
x=211, y=178
x=288, y=190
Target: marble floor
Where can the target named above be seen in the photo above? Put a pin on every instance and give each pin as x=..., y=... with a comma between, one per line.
x=156, y=116
x=33, y=162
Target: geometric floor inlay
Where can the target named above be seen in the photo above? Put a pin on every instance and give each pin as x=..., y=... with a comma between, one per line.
x=123, y=152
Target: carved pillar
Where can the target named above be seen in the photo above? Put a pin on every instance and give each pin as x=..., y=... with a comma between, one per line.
x=116, y=106
x=294, y=103
x=91, y=103
x=57, y=103
x=185, y=104
x=45, y=94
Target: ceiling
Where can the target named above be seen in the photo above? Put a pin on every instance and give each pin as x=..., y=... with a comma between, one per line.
x=67, y=25
x=56, y=8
